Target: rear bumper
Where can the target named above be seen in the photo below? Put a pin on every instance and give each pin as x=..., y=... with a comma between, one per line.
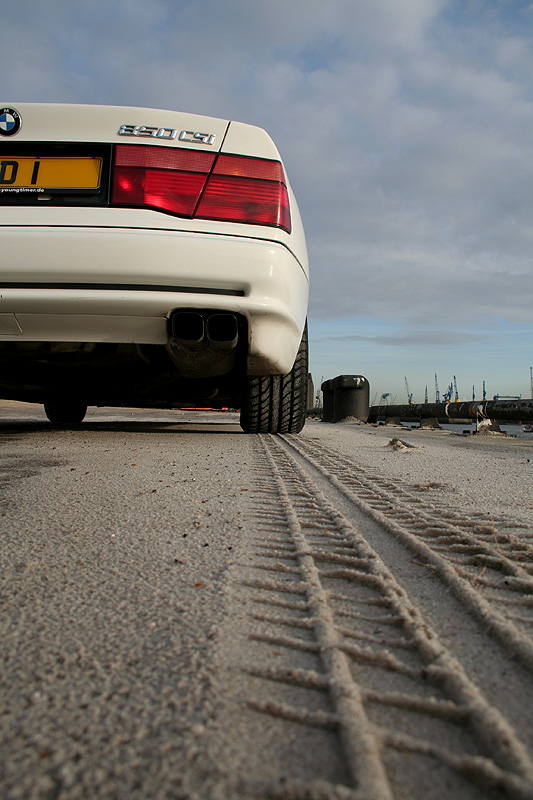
x=120, y=285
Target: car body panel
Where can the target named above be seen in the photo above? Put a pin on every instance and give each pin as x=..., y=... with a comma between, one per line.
x=57, y=122
x=256, y=279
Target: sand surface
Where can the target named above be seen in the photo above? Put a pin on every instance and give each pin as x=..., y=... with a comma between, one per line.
x=192, y=613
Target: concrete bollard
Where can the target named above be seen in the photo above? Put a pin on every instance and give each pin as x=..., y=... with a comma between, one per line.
x=352, y=397
x=345, y=396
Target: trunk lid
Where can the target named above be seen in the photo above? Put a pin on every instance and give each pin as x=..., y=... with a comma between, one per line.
x=54, y=122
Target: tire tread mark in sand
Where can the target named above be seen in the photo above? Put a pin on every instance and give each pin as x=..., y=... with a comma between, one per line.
x=489, y=572
x=364, y=628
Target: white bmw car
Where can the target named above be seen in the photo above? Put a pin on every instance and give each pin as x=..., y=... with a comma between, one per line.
x=149, y=259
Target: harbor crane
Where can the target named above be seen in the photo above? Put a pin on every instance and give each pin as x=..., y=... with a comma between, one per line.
x=448, y=394
x=409, y=394
x=437, y=393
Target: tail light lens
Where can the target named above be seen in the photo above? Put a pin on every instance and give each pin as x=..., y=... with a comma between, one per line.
x=167, y=179
x=194, y=184
x=242, y=189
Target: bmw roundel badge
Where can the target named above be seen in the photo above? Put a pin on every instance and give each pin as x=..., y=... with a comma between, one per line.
x=10, y=121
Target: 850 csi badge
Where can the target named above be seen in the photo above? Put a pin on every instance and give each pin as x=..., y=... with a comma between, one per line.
x=166, y=133
x=10, y=121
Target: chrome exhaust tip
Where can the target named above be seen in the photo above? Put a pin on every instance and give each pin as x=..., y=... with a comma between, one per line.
x=222, y=331
x=188, y=329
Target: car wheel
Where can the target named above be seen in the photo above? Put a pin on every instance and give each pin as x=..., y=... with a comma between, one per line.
x=65, y=411
x=278, y=404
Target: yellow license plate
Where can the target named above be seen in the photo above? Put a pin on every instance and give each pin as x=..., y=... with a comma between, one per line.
x=50, y=173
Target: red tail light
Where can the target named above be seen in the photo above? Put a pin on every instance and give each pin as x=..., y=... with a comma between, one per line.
x=178, y=181
x=167, y=179
x=242, y=189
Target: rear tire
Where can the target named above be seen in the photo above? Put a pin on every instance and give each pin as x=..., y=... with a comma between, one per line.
x=66, y=412
x=278, y=403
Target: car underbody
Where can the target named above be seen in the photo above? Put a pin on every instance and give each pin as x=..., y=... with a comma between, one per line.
x=202, y=362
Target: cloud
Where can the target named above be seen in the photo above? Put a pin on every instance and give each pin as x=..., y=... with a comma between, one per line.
x=416, y=338
x=405, y=128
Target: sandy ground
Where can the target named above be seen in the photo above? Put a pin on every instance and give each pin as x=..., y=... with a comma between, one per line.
x=490, y=471
x=196, y=614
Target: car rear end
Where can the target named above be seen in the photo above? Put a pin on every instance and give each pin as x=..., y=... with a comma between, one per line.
x=149, y=258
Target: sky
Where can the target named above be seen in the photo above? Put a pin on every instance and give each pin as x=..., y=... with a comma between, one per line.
x=406, y=131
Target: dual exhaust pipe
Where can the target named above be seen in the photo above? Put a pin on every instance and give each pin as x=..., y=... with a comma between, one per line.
x=203, y=344
x=193, y=330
